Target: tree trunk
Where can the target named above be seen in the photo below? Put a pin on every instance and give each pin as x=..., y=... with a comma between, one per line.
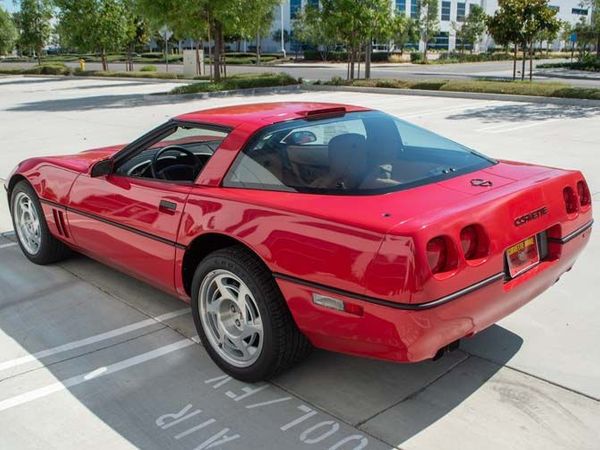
x=223, y=57
x=515, y=63
x=524, y=48
x=104, y=61
x=257, y=47
x=39, y=55
x=198, y=62
x=425, y=51
x=598, y=46
x=531, y=62
x=217, y=52
x=368, y=53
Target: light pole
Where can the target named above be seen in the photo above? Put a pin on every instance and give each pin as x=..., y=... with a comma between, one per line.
x=282, y=38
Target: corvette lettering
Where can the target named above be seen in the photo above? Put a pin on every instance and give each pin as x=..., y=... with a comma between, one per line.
x=531, y=216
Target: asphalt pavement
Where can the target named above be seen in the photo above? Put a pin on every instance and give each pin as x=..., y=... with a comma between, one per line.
x=325, y=71
x=91, y=358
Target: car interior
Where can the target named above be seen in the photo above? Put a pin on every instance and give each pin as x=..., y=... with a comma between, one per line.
x=358, y=155
x=172, y=160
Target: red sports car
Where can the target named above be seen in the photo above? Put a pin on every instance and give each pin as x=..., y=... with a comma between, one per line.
x=292, y=225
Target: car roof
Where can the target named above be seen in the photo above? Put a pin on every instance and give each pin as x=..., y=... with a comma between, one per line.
x=261, y=114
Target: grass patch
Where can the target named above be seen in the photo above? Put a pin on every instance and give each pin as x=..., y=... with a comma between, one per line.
x=135, y=74
x=241, y=81
x=590, y=64
x=560, y=90
x=149, y=68
x=43, y=69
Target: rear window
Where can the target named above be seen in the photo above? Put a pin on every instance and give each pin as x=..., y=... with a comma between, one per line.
x=359, y=153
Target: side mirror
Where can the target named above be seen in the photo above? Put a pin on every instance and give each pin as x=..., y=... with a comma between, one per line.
x=102, y=168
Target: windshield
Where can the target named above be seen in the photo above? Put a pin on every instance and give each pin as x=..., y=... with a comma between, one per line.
x=359, y=153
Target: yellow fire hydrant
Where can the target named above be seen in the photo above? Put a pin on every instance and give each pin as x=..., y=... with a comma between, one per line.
x=81, y=64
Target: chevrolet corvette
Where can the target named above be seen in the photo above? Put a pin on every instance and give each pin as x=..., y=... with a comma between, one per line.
x=289, y=226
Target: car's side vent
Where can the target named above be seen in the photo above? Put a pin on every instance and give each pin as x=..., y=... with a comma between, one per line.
x=59, y=220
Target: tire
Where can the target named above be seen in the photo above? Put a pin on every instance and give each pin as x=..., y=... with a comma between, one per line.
x=281, y=343
x=49, y=250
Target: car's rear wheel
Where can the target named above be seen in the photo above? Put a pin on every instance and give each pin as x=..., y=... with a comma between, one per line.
x=242, y=318
x=33, y=235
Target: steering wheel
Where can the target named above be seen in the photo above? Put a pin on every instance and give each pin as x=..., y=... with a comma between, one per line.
x=160, y=174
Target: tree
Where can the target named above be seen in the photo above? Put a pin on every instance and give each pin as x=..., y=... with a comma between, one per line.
x=538, y=18
x=520, y=22
x=429, y=24
x=473, y=28
x=403, y=30
x=594, y=29
x=34, y=23
x=309, y=28
x=101, y=26
x=258, y=16
x=8, y=32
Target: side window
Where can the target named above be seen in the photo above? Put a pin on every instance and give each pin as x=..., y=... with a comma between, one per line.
x=177, y=155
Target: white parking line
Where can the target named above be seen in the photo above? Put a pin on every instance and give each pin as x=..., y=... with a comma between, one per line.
x=95, y=374
x=11, y=244
x=92, y=339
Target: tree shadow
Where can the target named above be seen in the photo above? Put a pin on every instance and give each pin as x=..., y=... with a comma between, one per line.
x=527, y=112
x=129, y=101
x=30, y=80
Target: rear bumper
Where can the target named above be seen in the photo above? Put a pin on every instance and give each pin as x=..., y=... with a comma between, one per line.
x=409, y=334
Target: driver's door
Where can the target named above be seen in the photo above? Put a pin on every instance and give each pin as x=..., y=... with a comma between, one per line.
x=129, y=219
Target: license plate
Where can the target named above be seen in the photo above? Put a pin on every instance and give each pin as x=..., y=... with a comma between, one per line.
x=522, y=256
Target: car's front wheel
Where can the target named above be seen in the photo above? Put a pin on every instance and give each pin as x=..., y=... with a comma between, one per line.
x=33, y=235
x=242, y=318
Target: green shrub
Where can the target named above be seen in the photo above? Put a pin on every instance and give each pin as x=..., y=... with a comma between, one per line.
x=48, y=69
x=242, y=81
x=589, y=63
x=416, y=57
x=149, y=68
x=110, y=74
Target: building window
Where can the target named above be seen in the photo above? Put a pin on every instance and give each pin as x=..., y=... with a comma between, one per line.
x=313, y=3
x=461, y=9
x=401, y=6
x=579, y=11
x=414, y=9
x=446, y=11
x=554, y=8
x=295, y=7
x=441, y=41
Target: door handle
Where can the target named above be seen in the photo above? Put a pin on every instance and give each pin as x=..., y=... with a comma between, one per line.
x=167, y=206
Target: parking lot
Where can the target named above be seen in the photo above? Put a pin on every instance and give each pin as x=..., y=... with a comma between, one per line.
x=91, y=358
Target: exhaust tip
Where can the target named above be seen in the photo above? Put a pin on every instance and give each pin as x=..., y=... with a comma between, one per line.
x=453, y=346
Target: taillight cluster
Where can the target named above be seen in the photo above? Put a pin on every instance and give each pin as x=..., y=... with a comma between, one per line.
x=573, y=201
x=570, y=200
x=585, y=198
x=442, y=254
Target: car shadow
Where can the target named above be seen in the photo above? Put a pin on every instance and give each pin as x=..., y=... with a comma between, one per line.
x=527, y=112
x=354, y=390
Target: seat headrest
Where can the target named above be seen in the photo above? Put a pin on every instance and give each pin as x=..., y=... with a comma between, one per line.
x=348, y=158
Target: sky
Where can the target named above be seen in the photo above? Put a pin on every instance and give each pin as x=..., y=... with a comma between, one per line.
x=8, y=5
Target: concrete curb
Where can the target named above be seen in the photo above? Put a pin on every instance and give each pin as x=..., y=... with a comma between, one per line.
x=453, y=94
x=294, y=88
x=74, y=77
x=390, y=91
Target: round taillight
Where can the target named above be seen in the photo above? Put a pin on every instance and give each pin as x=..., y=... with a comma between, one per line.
x=469, y=241
x=437, y=254
x=570, y=200
x=584, y=193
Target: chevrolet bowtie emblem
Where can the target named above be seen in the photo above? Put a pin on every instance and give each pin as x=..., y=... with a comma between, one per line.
x=481, y=183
